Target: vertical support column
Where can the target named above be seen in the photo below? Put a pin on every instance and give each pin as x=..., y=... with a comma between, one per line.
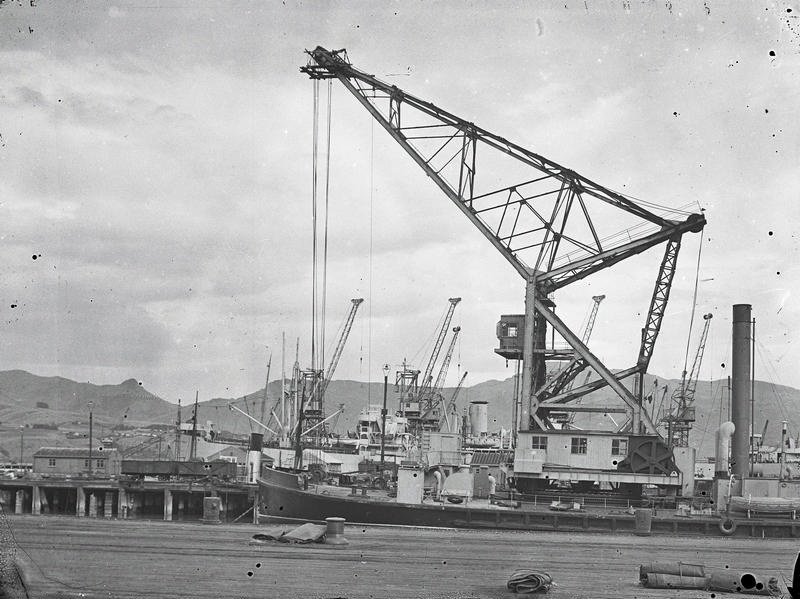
x=19, y=502
x=122, y=504
x=167, y=504
x=92, y=504
x=740, y=391
x=36, y=501
x=80, y=502
x=108, y=504
x=527, y=404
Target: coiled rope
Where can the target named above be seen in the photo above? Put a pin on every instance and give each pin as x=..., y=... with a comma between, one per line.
x=529, y=581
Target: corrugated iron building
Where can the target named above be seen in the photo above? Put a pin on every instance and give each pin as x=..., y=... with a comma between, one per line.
x=74, y=460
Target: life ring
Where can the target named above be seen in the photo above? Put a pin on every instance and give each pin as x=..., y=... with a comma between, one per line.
x=727, y=526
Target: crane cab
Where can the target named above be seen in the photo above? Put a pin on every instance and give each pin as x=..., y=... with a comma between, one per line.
x=510, y=334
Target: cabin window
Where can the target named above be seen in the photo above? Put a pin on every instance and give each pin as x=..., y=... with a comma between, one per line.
x=579, y=445
x=619, y=447
x=512, y=331
x=538, y=442
x=51, y=462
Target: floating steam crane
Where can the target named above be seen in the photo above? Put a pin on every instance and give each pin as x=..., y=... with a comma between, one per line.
x=679, y=422
x=555, y=227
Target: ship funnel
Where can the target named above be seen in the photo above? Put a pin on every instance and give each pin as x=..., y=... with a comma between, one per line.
x=740, y=389
x=254, y=457
x=478, y=418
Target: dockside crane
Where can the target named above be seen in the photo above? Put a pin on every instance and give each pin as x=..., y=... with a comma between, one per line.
x=417, y=398
x=563, y=379
x=554, y=227
x=317, y=382
x=427, y=377
x=452, y=420
x=679, y=421
x=433, y=401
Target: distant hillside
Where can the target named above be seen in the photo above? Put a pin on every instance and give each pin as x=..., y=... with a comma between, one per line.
x=27, y=399
x=30, y=399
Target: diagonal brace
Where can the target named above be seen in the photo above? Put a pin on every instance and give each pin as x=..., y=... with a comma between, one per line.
x=638, y=414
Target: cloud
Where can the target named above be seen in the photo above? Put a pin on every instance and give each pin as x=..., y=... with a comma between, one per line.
x=160, y=163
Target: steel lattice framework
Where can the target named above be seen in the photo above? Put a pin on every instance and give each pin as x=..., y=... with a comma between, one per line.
x=553, y=225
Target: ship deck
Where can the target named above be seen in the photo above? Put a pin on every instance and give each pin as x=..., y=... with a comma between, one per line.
x=68, y=557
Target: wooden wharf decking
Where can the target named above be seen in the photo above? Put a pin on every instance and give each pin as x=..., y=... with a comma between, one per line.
x=70, y=557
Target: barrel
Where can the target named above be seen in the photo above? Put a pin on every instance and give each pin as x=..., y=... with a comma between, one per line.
x=644, y=520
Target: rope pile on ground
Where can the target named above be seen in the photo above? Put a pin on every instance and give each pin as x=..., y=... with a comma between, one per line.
x=529, y=581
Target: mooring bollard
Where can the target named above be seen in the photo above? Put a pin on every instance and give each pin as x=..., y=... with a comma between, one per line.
x=643, y=518
x=334, y=533
x=211, y=509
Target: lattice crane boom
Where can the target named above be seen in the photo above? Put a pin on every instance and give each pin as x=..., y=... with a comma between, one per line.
x=437, y=386
x=426, y=384
x=694, y=374
x=337, y=353
x=679, y=422
x=587, y=332
x=553, y=225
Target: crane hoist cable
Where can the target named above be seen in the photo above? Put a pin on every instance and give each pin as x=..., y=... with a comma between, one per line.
x=694, y=307
x=369, y=274
x=325, y=233
x=314, y=137
x=772, y=374
x=318, y=299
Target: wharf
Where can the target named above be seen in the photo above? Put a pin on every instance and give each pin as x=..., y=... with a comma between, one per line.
x=67, y=557
x=123, y=497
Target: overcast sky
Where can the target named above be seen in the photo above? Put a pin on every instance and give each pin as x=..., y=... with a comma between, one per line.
x=155, y=180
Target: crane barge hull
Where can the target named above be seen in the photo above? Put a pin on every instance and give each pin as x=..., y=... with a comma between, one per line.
x=282, y=498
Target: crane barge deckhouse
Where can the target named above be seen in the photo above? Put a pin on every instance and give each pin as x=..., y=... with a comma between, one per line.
x=555, y=227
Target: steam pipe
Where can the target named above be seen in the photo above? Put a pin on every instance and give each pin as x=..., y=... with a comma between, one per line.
x=724, y=433
x=438, y=476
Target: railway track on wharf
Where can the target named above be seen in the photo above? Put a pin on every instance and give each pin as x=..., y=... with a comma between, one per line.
x=65, y=557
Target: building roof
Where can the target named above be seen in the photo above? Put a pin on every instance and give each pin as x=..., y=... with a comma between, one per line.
x=490, y=457
x=72, y=452
x=230, y=450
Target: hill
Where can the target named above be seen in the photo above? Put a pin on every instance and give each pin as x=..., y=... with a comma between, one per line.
x=54, y=409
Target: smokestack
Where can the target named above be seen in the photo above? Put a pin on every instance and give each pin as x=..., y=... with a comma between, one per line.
x=254, y=457
x=478, y=418
x=740, y=390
